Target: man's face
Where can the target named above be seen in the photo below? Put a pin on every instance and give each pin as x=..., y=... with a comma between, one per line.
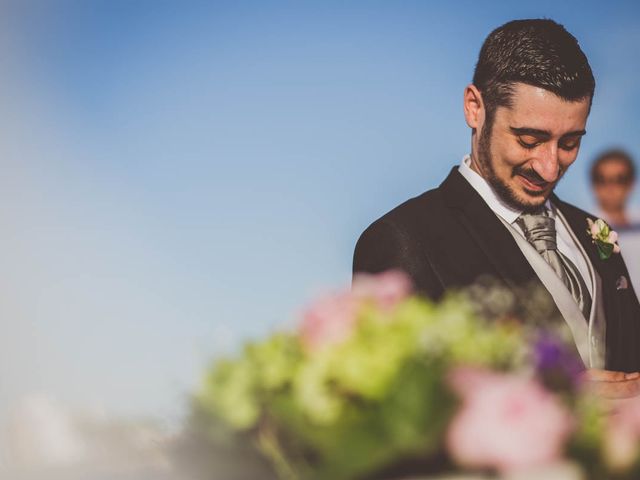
x=531, y=145
x=612, y=184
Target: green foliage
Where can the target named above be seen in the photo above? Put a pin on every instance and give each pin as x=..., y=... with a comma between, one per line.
x=586, y=445
x=605, y=249
x=353, y=407
x=236, y=389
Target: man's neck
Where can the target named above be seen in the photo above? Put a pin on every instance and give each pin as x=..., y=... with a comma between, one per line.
x=475, y=165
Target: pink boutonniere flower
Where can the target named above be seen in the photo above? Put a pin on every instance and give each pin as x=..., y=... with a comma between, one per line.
x=605, y=239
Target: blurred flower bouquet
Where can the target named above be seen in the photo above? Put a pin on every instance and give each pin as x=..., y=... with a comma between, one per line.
x=379, y=383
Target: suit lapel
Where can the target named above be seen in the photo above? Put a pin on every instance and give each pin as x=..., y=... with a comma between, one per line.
x=620, y=307
x=486, y=230
x=577, y=220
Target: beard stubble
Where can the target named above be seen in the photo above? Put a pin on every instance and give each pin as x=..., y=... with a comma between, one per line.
x=503, y=190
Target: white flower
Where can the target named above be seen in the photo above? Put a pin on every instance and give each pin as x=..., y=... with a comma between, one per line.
x=603, y=237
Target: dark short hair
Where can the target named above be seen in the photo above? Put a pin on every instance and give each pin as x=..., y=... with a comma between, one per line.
x=538, y=52
x=613, y=154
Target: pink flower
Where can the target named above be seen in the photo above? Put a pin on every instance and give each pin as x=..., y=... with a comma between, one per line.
x=616, y=248
x=622, y=435
x=612, y=237
x=332, y=318
x=466, y=380
x=386, y=288
x=507, y=422
x=595, y=228
x=329, y=320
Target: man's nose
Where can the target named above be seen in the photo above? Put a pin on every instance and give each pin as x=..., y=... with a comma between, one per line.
x=546, y=164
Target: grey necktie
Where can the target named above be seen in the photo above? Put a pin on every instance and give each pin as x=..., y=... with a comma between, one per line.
x=540, y=231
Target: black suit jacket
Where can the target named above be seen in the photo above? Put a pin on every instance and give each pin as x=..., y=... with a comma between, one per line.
x=448, y=237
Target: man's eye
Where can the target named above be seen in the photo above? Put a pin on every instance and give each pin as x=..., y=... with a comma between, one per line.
x=569, y=145
x=528, y=142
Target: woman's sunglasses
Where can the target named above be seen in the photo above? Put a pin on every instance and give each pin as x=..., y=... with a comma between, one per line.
x=615, y=180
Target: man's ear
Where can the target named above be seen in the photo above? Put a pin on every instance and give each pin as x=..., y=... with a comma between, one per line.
x=473, y=107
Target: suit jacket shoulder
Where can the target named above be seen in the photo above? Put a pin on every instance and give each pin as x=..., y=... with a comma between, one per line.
x=400, y=239
x=444, y=239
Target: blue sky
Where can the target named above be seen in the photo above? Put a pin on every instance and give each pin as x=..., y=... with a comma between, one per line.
x=179, y=176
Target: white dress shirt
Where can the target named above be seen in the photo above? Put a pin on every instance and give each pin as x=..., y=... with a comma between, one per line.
x=564, y=241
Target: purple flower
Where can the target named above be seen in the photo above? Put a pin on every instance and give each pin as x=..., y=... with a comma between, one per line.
x=554, y=361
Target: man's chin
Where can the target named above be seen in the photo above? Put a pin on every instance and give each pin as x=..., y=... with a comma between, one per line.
x=531, y=201
x=518, y=198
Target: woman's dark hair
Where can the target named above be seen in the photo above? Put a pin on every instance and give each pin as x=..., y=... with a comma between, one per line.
x=538, y=52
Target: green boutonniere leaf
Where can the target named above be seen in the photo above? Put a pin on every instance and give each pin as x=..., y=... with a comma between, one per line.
x=604, y=249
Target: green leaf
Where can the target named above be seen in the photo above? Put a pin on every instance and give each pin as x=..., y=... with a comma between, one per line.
x=604, y=249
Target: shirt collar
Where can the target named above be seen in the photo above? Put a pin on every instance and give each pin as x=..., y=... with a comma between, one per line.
x=495, y=203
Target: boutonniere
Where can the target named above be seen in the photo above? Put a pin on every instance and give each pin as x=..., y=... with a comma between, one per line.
x=604, y=238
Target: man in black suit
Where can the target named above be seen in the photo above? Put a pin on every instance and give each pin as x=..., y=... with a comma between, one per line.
x=496, y=213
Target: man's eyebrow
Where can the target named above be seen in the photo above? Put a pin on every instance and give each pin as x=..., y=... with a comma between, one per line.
x=544, y=133
x=530, y=131
x=575, y=133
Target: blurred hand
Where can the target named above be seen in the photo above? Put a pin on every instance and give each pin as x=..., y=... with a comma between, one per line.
x=613, y=385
